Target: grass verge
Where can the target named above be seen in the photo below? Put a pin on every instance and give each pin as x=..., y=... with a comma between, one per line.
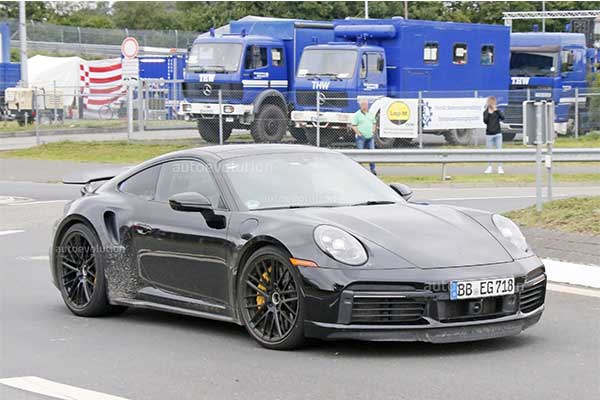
x=13, y=126
x=577, y=214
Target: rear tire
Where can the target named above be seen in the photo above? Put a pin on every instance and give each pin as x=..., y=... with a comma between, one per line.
x=382, y=143
x=328, y=136
x=508, y=136
x=270, y=125
x=80, y=273
x=298, y=134
x=270, y=299
x=209, y=130
x=459, y=137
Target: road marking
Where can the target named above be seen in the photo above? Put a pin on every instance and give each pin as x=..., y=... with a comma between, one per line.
x=34, y=258
x=10, y=232
x=573, y=290
x=29, y=203
x=54, y=389
x=574, y=274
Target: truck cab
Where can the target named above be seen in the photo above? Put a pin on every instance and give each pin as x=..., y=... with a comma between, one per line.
x=547, y=66
x=398, y=58
x=339, y=72
x=252, y=68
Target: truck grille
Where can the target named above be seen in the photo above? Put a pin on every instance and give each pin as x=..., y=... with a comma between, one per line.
x=331, y=98
x=533, y=293
x=382, y=310
x=209, y=92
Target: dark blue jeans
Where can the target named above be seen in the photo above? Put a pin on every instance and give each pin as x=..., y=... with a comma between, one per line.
x=362, y=143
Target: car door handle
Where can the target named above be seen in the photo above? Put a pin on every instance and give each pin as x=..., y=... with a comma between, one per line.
x=143, y=229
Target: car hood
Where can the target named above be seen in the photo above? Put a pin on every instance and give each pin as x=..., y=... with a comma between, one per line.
x=426, y=236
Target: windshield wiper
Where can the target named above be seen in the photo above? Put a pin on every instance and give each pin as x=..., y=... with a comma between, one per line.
x=295, y=206
x=373, y=203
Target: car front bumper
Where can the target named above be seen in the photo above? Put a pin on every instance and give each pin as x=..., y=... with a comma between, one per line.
x=409, y=305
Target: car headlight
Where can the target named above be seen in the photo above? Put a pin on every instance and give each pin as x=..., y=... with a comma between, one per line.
x=510, y=231
x=340, y=245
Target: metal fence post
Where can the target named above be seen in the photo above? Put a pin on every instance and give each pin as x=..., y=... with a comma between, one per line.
x=37, y=117
x=54, y=99
x=318, y=119
x=476, y=94
x=420, y=119
x=129, y=112
x=528, y=94
x=538, y=155
x=576, y=113
x=140, y=103
x=220, y=116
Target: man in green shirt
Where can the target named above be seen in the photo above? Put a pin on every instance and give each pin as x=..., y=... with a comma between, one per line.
x=363, y=125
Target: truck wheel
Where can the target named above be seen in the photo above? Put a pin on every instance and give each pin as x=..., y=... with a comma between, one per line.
x=209, y=130
x=328, y=136
x=270, y=124
x=298, y=134
x=508, y=136
x=382, y=143
x=461, y=137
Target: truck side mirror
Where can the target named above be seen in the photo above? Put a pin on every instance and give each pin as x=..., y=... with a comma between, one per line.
x=380, y=64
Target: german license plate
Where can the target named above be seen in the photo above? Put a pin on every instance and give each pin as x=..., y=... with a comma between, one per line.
x=485, y=288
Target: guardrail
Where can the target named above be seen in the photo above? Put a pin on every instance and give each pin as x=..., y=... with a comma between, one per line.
x=454, y=156
x=450, y=156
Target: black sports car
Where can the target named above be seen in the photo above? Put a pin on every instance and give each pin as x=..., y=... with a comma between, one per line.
x=292, y=242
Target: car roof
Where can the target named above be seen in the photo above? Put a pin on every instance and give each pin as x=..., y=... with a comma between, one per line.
x=240, y=150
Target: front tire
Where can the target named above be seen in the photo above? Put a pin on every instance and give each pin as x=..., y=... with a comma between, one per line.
x=80, y=272
x=459, y=137
x=209, y=130
x=270, y=299
x=298, y=134
x=270, y=125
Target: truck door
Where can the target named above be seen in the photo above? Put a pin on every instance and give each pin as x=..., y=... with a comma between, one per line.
x=278, y=71
x=255, y=78
x=372, y=78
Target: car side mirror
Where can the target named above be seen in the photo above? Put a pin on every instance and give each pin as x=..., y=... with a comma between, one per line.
x=403, y=190
x=195, y=202
x=190, y=201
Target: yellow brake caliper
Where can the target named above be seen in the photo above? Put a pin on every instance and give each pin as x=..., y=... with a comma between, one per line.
x=260, y=299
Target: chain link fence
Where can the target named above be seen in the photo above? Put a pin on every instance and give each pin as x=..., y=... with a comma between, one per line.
x=45, y=32
x=213, y=114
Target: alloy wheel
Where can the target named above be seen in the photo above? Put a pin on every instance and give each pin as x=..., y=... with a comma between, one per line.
x=77, y=269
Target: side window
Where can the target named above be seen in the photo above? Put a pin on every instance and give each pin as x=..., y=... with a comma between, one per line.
x=487, y=55
x=187, y=176
x=374, y=63
x=363, y=66
x=256, y=57
x=277, y=57
x=567, y=59
x=142, y=184
x=430, y=53
x=459, y=53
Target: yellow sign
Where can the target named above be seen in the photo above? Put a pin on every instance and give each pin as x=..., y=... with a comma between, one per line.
x=398, y=112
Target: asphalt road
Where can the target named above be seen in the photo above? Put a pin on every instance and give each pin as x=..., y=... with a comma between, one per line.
x=152, y=355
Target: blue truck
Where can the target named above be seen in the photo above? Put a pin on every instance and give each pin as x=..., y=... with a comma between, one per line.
x=547, y=66
x=399, y=58
x=10, y=73
x=253, y=67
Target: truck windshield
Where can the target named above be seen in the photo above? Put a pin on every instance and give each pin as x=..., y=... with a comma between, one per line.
x=532, y=64
x=336, y=63
x=215, y=57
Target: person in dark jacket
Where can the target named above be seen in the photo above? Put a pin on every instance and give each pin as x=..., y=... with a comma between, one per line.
x=493, y=135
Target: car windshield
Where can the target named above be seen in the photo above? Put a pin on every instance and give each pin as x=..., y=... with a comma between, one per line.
x=338, y=63
x=215, y=57
x=532, y=64
x=298, y=180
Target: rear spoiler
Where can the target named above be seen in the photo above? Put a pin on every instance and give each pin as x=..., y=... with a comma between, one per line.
x=87, y=177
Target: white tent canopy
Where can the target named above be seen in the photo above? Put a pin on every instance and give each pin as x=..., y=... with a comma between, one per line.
x=45, y=72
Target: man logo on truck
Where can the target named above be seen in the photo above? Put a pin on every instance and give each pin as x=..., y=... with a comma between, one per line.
x=398, y=112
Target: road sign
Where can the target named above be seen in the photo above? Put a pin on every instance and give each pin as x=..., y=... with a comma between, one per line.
x=130, y=47
x=130, y=70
